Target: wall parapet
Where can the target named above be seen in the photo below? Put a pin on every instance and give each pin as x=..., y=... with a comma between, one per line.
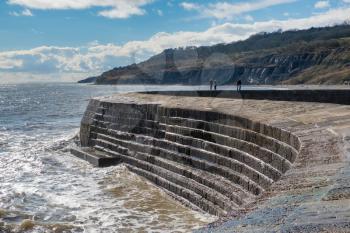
x=336, y=96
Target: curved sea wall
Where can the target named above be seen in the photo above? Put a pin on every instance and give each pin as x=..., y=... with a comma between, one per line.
x=253, y=159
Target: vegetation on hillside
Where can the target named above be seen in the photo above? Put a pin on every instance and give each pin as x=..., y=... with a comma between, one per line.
x=315, y=55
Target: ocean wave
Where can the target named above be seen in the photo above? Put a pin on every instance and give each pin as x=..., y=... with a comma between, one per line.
x=46, y=189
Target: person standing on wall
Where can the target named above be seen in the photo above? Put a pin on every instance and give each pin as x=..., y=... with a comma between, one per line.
x=239, y=85
x=211, y=84
x=215, y=85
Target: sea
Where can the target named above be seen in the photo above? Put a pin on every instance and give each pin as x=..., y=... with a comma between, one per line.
x=43, y=188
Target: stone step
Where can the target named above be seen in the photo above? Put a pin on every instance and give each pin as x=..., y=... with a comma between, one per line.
x=214, y=126
x=218, y=183
x=131, y=111
x=238, y=178
x=207, y=199
x=173, y=195
x=230, y=147
x=96, y=158
x=275, y=160
x=230, y=136
x=153, y=112
x=230, y=163
x=179, y=191
x=234, y=192
x=210, y=149
x=136, y=129
x=280, y=164
x=206, y=129
x=231, y=120
x=222, y=185
x=127, y=119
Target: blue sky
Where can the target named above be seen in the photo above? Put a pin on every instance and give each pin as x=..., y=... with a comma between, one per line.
x=65, y=40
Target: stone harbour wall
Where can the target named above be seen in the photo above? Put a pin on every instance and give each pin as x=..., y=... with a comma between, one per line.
x=261, y=165
x=147, y=137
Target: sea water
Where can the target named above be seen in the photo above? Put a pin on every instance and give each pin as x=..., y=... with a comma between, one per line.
x=43, y=188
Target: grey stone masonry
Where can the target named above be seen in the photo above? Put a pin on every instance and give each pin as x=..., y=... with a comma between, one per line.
x=262, y=163
x=219, y=162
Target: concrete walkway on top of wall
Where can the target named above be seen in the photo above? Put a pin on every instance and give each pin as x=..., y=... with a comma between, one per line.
x=333, y=94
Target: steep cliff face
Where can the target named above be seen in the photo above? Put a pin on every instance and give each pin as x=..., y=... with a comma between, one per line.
x=313, y=56
x=277, y=68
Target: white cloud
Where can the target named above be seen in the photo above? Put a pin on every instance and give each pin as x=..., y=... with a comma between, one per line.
x=94, y=58
x=226, y=10
x=248, y=18
x=160, y=12
x=170, y=4
x=25, y=12
x=322, y=4
x=190, y=6
x=114, y=8
x=122, y=11
x=346, y=1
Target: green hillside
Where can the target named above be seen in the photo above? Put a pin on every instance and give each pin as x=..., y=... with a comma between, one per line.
x=312, y=56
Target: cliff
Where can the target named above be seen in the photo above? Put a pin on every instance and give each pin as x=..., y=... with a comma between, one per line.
x=313, y=56
x=88, y=80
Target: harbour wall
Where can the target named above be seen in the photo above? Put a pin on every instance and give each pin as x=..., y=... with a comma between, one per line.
x=214, y=161
x=262, y=163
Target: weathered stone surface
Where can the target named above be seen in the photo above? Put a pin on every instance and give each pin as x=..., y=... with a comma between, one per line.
x=96, y=158
x=312, y=139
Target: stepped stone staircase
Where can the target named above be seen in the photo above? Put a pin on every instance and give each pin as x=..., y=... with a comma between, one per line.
x=210, y=161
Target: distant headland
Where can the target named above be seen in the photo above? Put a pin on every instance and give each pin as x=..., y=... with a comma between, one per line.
x=312, y=56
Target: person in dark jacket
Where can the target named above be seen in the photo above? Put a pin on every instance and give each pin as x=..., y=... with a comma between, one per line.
x=239, y=85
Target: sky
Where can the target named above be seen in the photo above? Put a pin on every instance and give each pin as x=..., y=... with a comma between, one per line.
x=67, y=40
